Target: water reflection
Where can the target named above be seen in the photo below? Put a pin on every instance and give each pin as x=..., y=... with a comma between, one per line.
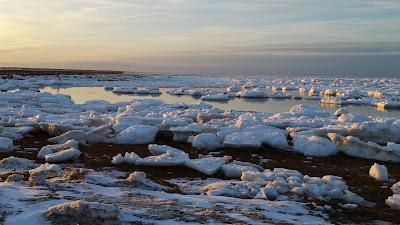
x=82, y=94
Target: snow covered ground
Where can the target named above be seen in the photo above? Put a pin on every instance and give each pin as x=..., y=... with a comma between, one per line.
x=40, y=183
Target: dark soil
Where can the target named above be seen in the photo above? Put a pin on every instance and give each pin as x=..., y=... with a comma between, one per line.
x=353, y=170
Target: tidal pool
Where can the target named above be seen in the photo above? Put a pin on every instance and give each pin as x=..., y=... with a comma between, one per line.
x=82, y=94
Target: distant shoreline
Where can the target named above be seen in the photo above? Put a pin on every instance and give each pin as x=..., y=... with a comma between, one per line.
x=31, y=71
x=24, y=71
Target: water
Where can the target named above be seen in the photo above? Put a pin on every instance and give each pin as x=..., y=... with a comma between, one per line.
x=82, y=94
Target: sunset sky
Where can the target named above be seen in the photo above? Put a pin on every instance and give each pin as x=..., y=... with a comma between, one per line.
x=204, y=36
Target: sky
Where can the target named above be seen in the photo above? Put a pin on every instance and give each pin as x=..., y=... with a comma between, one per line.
x=319, y=37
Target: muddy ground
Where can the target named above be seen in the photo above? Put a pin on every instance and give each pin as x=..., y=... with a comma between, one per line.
x=353, y=170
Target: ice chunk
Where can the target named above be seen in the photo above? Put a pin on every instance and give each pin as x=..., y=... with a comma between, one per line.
x=118, y=159
x=15, y=164
x=394, y=200
x=332, y=101
x=247, y=120
x=77, y=135
x=48, y=149
x=136, y=134
x=271, y=136
x=100, y=106
x=124, y=90
x=6, y=144
x=208, y=165
x=99, y=134
x=64, y=155
x=255, y=93
x=377, y=131
x=279, y=95
x=242, y=140
x=308, y=111
x=161, y=149
x=137, y=177
x=352, y=118
x=268, y=192
x=313, y=145
x=379, y=172
x=175, y=122
x=169, y=158
x=341, y=111
x=44, y=171
x=216, y=97
x=391, y=146
x=353, y=146
x=55, y=129
x=207, y=141
x=233, y=170
x=253, y=176
x=129, y=158
x=124, y=122
x=238, y=189
x=83, y=212
x=254, y=136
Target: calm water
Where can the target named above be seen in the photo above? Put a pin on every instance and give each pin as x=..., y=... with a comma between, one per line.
x=82, y=94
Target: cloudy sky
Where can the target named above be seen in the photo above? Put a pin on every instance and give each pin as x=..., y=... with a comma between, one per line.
x=204, y=36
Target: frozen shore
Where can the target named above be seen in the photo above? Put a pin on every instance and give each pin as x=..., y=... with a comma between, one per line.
x=234, y=166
